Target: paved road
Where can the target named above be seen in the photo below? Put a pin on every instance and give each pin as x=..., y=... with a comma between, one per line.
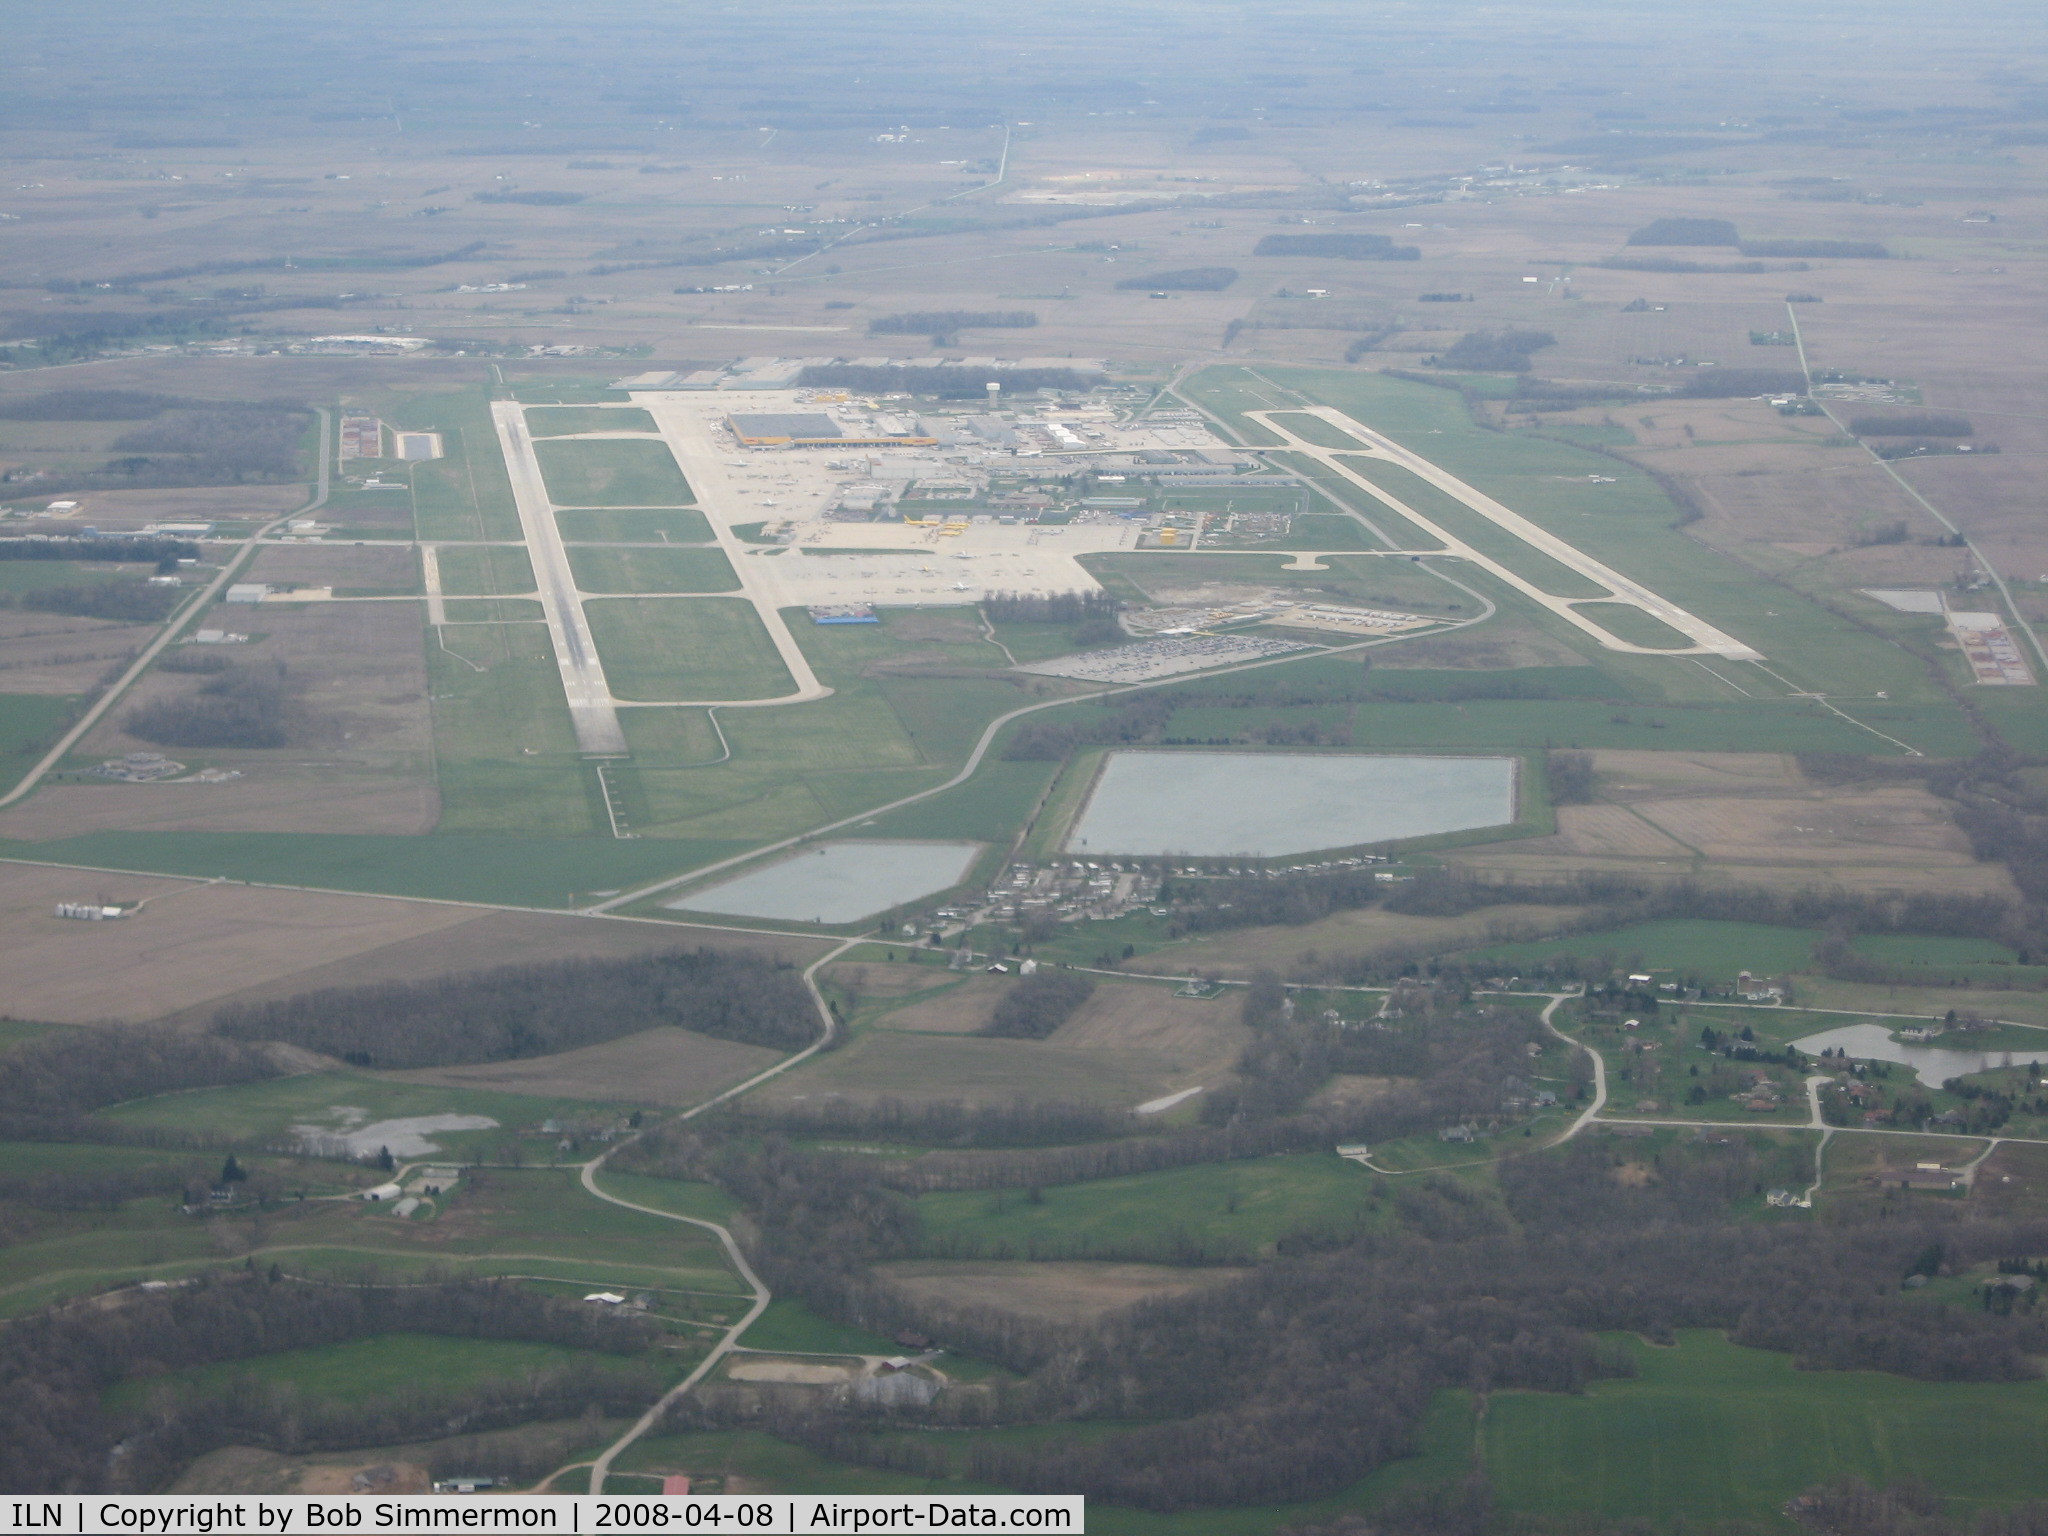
x=184, y=616
x=762, y=1296
x=592, y=709
x=1706, y=640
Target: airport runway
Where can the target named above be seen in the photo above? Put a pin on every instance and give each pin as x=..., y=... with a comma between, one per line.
x=1706, y=640
x=592, y=709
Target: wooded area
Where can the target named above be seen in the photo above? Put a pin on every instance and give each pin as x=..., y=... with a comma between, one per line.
x=57, y=1434
x=536, y=1010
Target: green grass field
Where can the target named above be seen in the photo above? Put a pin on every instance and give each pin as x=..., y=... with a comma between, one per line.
x=623, y=473
x=505, y=750
x=566, y=420
x=390, y=1365
x=1400, y=532
x=706, y=648
x=1329, y=530
x=1369, y=579
x=29, y=724
x=1244, y=1206
x=707, y=1202
x=18, y=576
x=484, y=570
x=792, y=1326
x=536, y=871
x=1709, y=1431
x=1712, y=950
x=494, y=610
x=466, y=494
x=633, y=525
x=1461, y=522
x=652, y=570
x=1627, y=622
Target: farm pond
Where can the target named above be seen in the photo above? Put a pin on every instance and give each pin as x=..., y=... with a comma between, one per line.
x=1934, y=1065
x=1275, y=804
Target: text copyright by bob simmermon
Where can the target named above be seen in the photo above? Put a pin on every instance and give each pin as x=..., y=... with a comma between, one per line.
x=169, y=1514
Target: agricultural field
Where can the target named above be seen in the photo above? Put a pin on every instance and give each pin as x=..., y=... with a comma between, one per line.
x=1219, y=1209
x=1709, y=1430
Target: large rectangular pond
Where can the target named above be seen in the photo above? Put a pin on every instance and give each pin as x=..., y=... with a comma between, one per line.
x=1278, y=804
x=836, y=882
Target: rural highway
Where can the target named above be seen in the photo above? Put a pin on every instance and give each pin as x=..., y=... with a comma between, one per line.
x=648, y=1420
x=1706, y=640
x=592, y=709
x=178, y=621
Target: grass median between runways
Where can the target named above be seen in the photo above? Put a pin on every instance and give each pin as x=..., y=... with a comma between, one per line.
x=652, y=570
x=666, y=649
x=616, y=472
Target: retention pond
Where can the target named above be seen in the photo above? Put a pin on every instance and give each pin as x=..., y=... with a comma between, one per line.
x=836, y=882
x=1277, y=804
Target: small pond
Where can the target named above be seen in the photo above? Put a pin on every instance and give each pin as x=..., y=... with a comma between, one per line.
x=1934, y=1065
x=1277, y=804
x=836, y=882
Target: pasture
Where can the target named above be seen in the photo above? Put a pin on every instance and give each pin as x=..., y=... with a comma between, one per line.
x=364, y=1370
x=1231, y=1210
x=1712, y=950
x=1711, y=1431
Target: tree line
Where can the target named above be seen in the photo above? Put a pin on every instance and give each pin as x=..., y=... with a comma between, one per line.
x=515, y=1011
x=1346, y=247
x=1915, y=424
x=1612, y=901
x=938, y=1123
x=71, y=1072
x=226, y=444
x=239, y=705
x=131, y=551
x=1036, y=1005
x=1049, y=607
x=1184, y=280
x=120, y=602
x=1505, y=351
x=58, y=1434
x=936, y=322
x=943, y=382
